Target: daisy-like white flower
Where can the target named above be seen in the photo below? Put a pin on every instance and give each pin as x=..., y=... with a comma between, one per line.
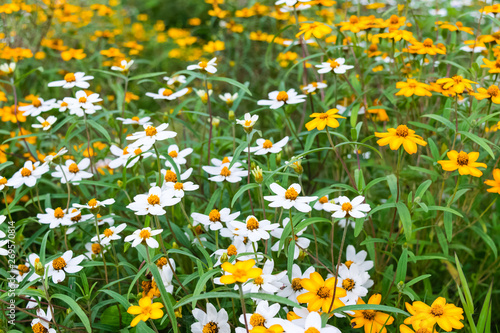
x=300, y=242
x=41, y=323
x=82, y=104
x=124, y=66
x=295, y=288
x=335, y=65
x=72, y=172
x=37, y=106
x=205, y=66
x=202, y=94
x=94, y=250
x=263, y=316
x=153, y=202
x=23, y=270
x=8, y=68
x=179, y=188
x=266, y=146
x=176, y=80
x=279, y=98
x=215, y=218
x=52, y=156
x=225, y=161
x=94, y=203
x=144, y=235
x=61, y=105
x=266, y=283
x=3, y=183
x=136, y=121
x=311, y=323
x=312, y=87
x=254, y=229
x=224, y=173
x=58, y=267
x=4, y=252
x=171, y=177
x=355, y=282
x=56, y=217
x=166, y=272
x=357, y=258
x=78, y=79
x=228, y=98
x=150, y=135
x=179, y=156
x=320, y=204
x=237, y=247
x=127, y=157
x=28, y=174
x=248, y=122
x=289, y=3
x=345, y=208
x=45, y=124
x=168, y=94
x=211, y=321
x=289, y=198
x=110, y=234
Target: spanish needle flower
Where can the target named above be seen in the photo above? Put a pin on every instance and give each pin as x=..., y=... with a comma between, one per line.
x=41, y=323
x=371, y=320
x=248, y=122
x=311, y=323
x=150, y=135
x=240, y=272
x=37, y=106
x=28, y=174
x=145, y=236
x=313, y=86
x=347, y=208
x=211, y=321
x=78, y=79
x=265, y=146
x=254, y=229
x=289, y=198
x=145, y=310
x=357, y=258
x=266, y=282
x=82, y=104
x=279, y=98
x=45, y=124
x=228, y=98
x=402, y=135
x=153, y=202
x=335, y=65
x=136, y=121
x=263, y=316
x=179, y=156
x=205, y=66
x=56, y=217
x=215, y=218
x=168, y=94
x=354, y=281
x=124, y=66
x=94, y=203
x=224, y=173
x=72, y=172
x=110, y=234
x=464, y=162
x=295, y=288
x=319, y=295
x=321, y=120
x=58, y=267
x=175, y=80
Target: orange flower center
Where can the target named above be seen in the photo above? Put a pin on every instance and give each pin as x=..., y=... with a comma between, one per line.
x=267, y=144
x=323, y=116
x=170, y=176
x=493, y=91
x=167, y=92
x=437, y=310
x=333, y=64
x=282, y=96
x=323, y=292
x=96, y=248
x=248, y=123
x=214, y=215
x=394, y=19
x=82, y=99
x=457, y=79
x=210, y=327
x=161, y=262
x=39, y=328
x=36, y=103
x=92, y=203
x=73, y=168
x=138, y=151
x=3, y=181
x=402, y=131
x=428, y=42
x=173, y=154
x=135, y=118
x=45, y=123
x=203, y=64
x=348, y=263
x=22, y=269
x=58, y=213
x=346, y=207
x=145, y=234
x=348, y=284
x=369, y=315
x=59, y=263
x=257, y=320
x=323, y=200
x=70, y=77
x=153, y=199
x=25, y=172
x=225, y=160
x=297, y=285
x=178, y=186
x=258, y=280
x=291, y=194
x=108, y=233
x=462, y=158
x=353, y=19
x=252, y=224
x=225, y=172
x=312, y=330
x=150, y=131
x=231, y=250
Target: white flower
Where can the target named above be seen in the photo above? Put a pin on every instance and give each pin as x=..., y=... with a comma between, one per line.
x=289, y=2
x=144, y=235
x=312, y=87
x=254, y=229
x=110, y=234
x=320, y=204
x=3, y=183
x=235, y=249
x=51, y=157
x=248, y=121
x=263, y=316
x=224, y=173
x=311, y=323
x=168, y=94
x=37, y=106
x=124, y=66
x=153, y=202
x=228, y=98
x=81, y=103
x=473, y=48
x=266, y=146
x=289, y=198
x=41, y=324
x=211, y=321
x=214, y=218
x=127, y=158
x=267, y=283
x=94, y=250
x=179, y=188
x=300, y=242
x=202, y=94
x=226, y=161
x=345, y=207
x=335, y=65
x=171, y=177
x=354, y=281
x=61, y=105
x=71, y=80
x=294, y=289
x=357, y=258
x=72, y=172
x=150, y=135
x=175, y=80
x=179, y=156
x=204, y=66
x=45, y=124
x=166, y=272
x=279, y=98
x=8, y=68
x=4, y=252
x=58, y=267
x=28, y=174
x=56, y=217
x=136, y=121
x=23, y=271
x=93, y=203
x=438, y=12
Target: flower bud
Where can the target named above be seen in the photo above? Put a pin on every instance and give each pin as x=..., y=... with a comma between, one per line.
x=224, y=258
x=257, y=173
x=119, y=183
x=231, y=115
x=278, y=158
x=175, y=245
x=39, y=269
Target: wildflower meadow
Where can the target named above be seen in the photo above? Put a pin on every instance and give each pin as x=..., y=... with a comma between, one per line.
x=225, y=166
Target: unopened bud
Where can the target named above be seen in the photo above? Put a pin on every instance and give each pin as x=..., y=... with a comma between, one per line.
x=175, y=245
x=278, y=158
x=302, y=255
x=224, y=258
x=231, y=115
x=39, y=269
x=257, y=173
x=119, y=183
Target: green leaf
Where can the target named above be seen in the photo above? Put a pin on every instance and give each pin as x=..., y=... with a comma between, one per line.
x=99, y=128
x=273, y=298
x=202, y=281
x=146, y=75
x=445, y=209
x=441, y=119
x=405, y=216
x=480, y=141
x=213, y=294
x=448, y=226
x=164, y=295
x=402, y=267
x=231, y=82
x=487, y=239
x=418, y=279
x=484, y=321
x=76, y=309
x=375, y=307
x=243, y=189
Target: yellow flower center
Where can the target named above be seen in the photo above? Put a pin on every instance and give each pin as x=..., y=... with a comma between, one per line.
x=422, y=330
x=311, y=330
x=462, y=158
x=170, y=176
x=457, y=78
x=348, y=263
x=108, y=233
x=428, y=42
x=231, y=250
x=36, y=103
x=346, y=207
x=73, y=168
x=39, y=328
x=258, y=280
x=150, y=131
x=135, y=118
x=394, y=19
x=323, y=200
x=178, y=186
x=323, y=292
x=77, y=217
x=493, y=91
x=267, y=144
x=92, y=203
x=282, y=96
x=82, y=99
x=257, y=320
x=96, y=248
x=214, y=215
x=153, y=199
x=252, y=224
x=145, y=234
x=225, y=160
x=3, y=181
x=225, y=172
x=333, y=64
x=203, y=64
x=348, y=284
x=161, y=262
x=70, y=77
x=369, y=314
x=297, y=285
x=45, y=123
x=167, y=92
x=291, y=194
x=22, y=269
x=402, y=131
x=63, y=104
x=353, y=19
x=437, y=310
x=210, y=327
x=25, y=172
x=138, y=151
x=248, y=123
x=59, y=263
x=173, y=154
x=58, y=213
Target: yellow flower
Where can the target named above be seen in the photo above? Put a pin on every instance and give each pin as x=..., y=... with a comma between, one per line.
x=402, y=135
x=413, y=87
x=456, y=27
x=317, y=29
x=240, y=272
x=406, y=329
x=73, y=54
x=494, y=66
x=320, y=293
x=373, y=321
x=495, y=184
x=465, y=163
x=426, y=47
x=446, y=315
x=145, y=311
x=273, y=329
x=457, y=83
x=492, y=93
x=321, y=120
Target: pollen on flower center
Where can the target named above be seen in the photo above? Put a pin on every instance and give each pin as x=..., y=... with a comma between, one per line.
x=170, y=176
x=210, y=327
x=323, y=292
x=323, y=116
x=353, y=19
x=312, y=330
x=203, y=64
x=252, y=224
x=59, y=263
x=173, y=154
x=82, y=99
x=39, y=328
x=161, y=262
x=291, y=194
x=144, y=234
x=348, y=263
x=457, y=79
x=108, y=232
x=92, y=203
x=402, y=131
x=96, y=248
x=225, y=160
x=73, y=168
x=3, y=181
x=225, y=172
x=348, y=284
x=346, y=207
x=63, y=104
x=462, y=158
x=369, y=315
x=70, y=77
x=150, y=131
x=428, y=42
x=267, y=144
x=178, y=186
x=58, y=213
x=45, y=123
x=282, y=96
x=135, y=118
x=167, y=92
x=297, y=285
x=248, y=123
x=23, y=269
x=231, y=250
x=138, y=151
x=258, y=280
x=437, y=310
x=25, y=172
x=257, y=320
x=493, y=91
x=214, y=215
x=36, y=103
x=323, y=200
x=333, y=64
x=153, y=199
